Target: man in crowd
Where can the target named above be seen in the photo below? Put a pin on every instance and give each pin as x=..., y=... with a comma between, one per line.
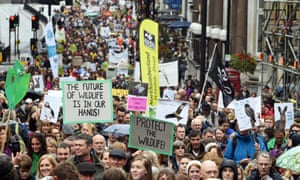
x=63, y=152
x=83, y=146
x=99, y=144
x=118, y=158
x=243, y=146
x=264, y=168
x=179, y=132
x=209, y=169
x=195, y=147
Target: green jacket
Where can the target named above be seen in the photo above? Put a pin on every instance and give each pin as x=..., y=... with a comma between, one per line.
x=271, y=143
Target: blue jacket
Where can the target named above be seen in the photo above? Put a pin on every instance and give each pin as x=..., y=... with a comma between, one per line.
x=244, y=147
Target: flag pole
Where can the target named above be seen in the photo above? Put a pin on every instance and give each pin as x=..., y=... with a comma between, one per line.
x=206, y=76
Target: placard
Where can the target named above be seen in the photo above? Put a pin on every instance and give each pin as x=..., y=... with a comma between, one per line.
x=175, y=112
x=87, y=101
x=151, y=134
x=247, y=111
x=137, y=97
x=284, y=115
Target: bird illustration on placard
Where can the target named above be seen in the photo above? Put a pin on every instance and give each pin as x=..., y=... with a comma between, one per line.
x=176, y=114
x=251, y=114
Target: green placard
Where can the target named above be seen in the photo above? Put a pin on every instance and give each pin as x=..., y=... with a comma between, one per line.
x=87, y=101
x=151, y=134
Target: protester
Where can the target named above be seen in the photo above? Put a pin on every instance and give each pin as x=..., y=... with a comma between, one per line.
x=140, y=169
x=83, y=146
x=65, y=171
x=193, y=170
x=87, y=170
x=36, y=149
x=228, y=170
x=209, y=169
x=166, y=173
x=264, y=168
x=8, y=172
x=63, y=152
x=114, y=173
x=46, y=165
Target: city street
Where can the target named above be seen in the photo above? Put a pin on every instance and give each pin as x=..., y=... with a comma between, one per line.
x=25, y=32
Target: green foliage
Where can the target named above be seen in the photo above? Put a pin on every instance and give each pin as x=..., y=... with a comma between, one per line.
x=244, y=62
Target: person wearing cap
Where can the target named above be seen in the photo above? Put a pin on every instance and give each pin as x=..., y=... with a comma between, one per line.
x=87, y=170
x=83, y=146
x=228, y=170
x=24, y=110
x=118, y=158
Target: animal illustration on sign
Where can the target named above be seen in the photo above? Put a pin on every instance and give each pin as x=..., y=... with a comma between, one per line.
x=281, y=123
x=176, y=114
x=251, y=114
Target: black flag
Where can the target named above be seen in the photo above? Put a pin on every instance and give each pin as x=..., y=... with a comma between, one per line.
x=218, y=74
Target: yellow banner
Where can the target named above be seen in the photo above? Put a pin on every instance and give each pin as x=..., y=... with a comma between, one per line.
x=120, y=92
x=149, y=59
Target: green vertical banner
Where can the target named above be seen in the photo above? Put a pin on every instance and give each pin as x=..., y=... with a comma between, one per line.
x=149, y=59
x=16, y=84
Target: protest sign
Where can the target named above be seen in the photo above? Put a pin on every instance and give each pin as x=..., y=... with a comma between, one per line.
x=247, y=111
x=284, y=115
x=172, y=111
x=137, y=97
x=50, y=109
x=87, y=101
x=38, y=82
x=168, y=74
x=151, y=134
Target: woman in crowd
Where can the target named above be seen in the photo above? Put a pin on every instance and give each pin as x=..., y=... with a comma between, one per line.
x=166, y=174
x=228, y=170
x=221, y=138
x=178, y=151
x=105, y=159
x=45, y=166
x=140, y=169
x=241, y=173
x=51, y=145
x=193, y=170
x=37, y=148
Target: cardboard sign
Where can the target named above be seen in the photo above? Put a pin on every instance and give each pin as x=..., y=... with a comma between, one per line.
x=50, y=109
x=172, y=111
x=247, y=111
x=151, y=134
x=77, y=61
x=168, y=74
x=38, y=82
x=284, y=114
x=87, y=101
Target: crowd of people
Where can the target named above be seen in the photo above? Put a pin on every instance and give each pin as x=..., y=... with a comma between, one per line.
x=209, y=146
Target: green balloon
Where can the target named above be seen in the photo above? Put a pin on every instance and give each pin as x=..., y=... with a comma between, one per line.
x=16, y=85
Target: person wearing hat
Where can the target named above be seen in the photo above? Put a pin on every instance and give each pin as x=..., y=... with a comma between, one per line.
x=228, y=170
x=118, y=158
x=86, y=170
x=83, y=146
x=23, y=111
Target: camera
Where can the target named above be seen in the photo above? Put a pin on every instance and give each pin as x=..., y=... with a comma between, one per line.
x=292, y=133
